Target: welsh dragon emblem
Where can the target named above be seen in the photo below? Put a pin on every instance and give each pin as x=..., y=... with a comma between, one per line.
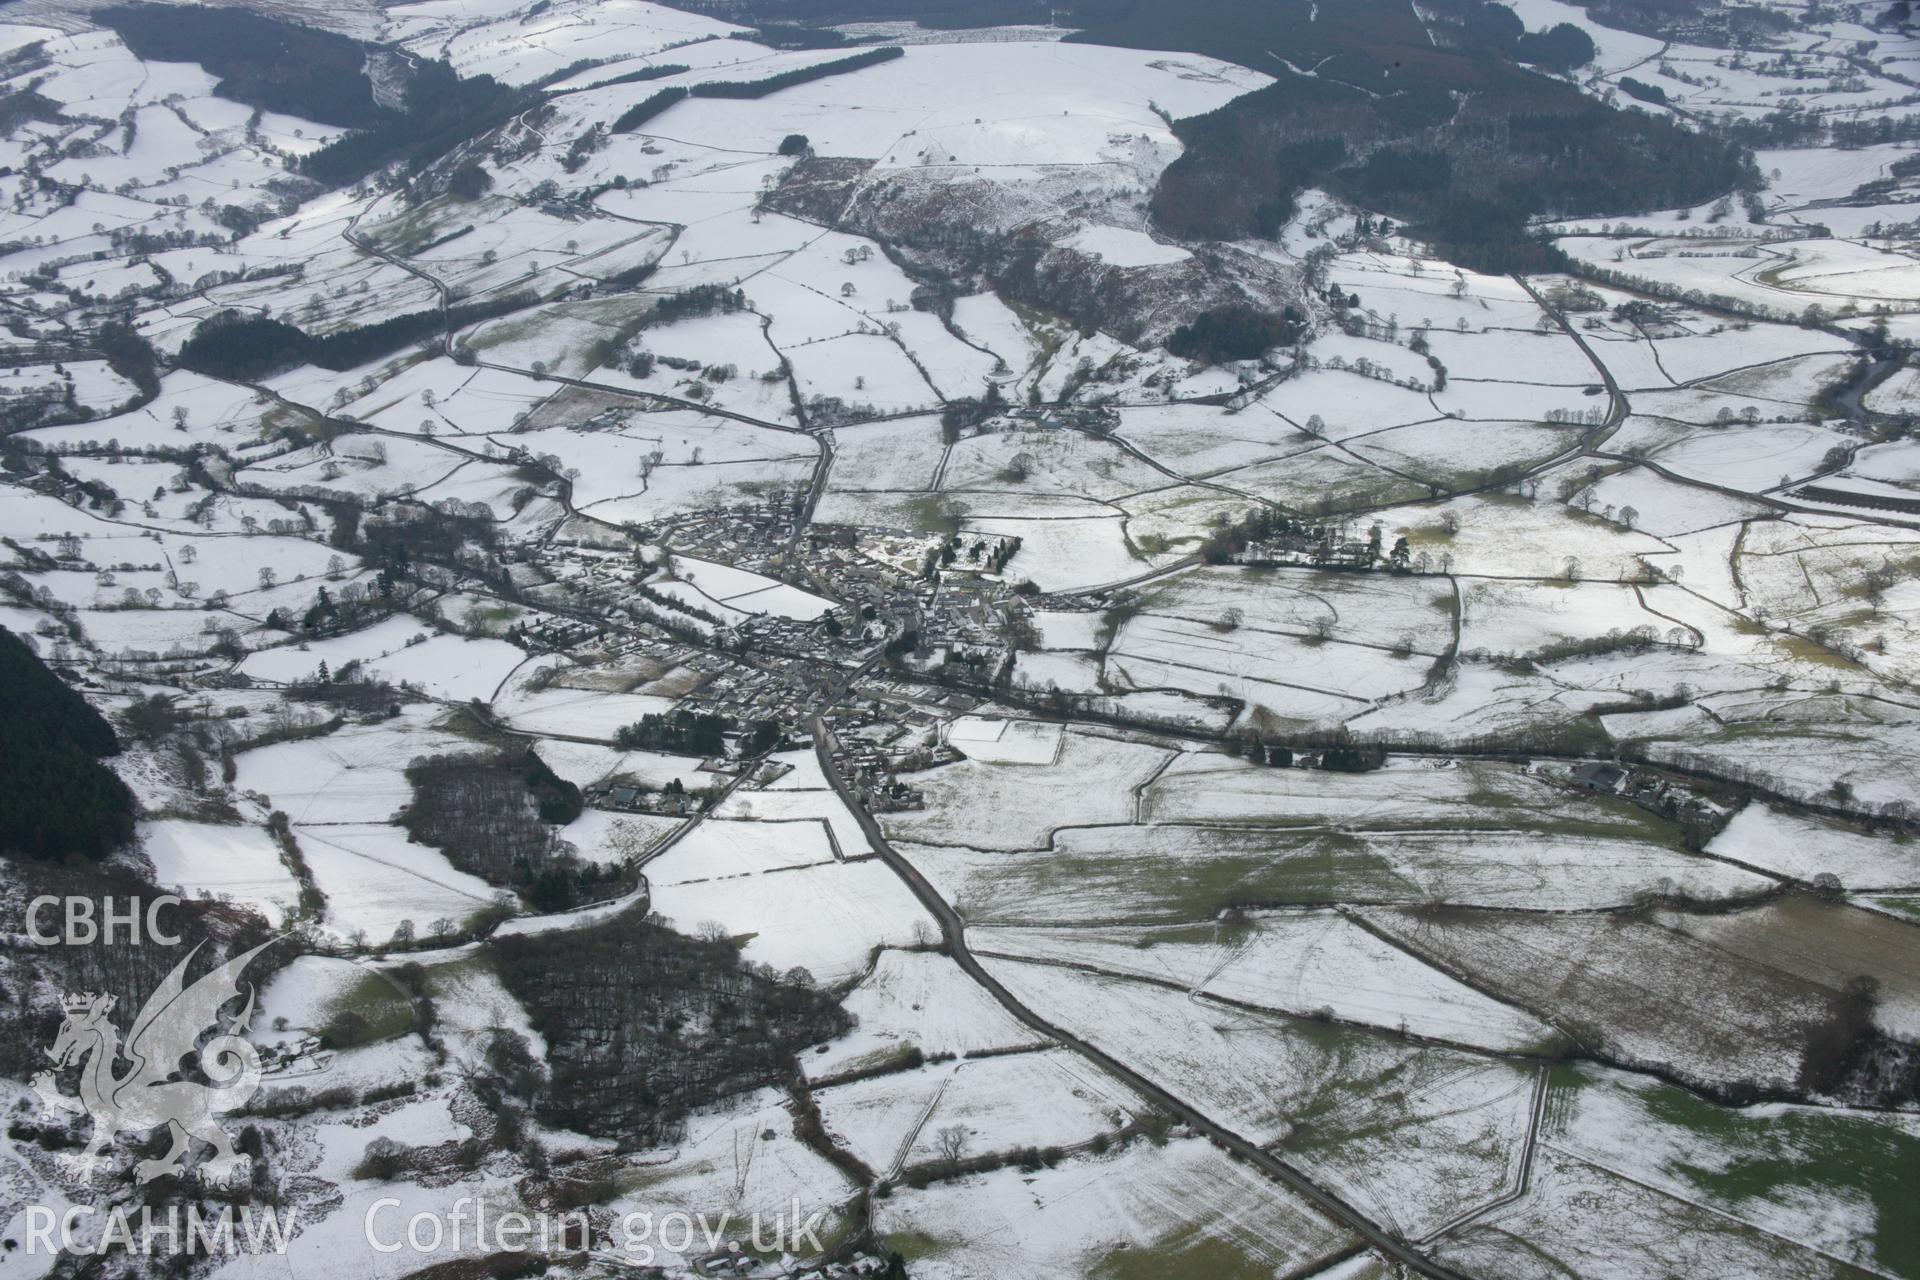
x=152, y=1091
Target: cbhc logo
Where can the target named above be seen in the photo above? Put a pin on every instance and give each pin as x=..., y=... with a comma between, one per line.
x=83, y=925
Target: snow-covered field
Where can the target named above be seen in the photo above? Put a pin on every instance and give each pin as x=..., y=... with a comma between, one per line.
x=240, y=863
x=826, y=919
x=1463, y=750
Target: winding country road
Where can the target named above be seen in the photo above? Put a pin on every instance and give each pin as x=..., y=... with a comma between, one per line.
x=953, y=931
x=1617, y=407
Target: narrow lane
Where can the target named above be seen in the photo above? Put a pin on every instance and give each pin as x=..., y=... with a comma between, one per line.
x=953, y=930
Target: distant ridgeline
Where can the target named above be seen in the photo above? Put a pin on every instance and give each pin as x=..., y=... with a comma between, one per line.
x=56, y=798
x=319, y=76
x=1376, y=119
x=1365, y=107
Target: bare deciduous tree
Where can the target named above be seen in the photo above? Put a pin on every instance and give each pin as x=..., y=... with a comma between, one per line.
x=952, y=1141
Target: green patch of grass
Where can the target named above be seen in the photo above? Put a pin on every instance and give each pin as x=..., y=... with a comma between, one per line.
x=1295, y=859
x=1331, y=494
x=1597, y=524
x=1425, y=535
x=1339, y=867
x=279, y=417
x=1807, y=651
x=310, y=426
x=1744, y=730
x=618, y=317
x=1191, y=1254
x=1563, y=1084
x=839, y=1229
x=836, y=1229
x=1149, y=545
x=1779, y=1157
x=1525, y=804
x=1047, y=330
x=1824, y=1151
x=1329, y=1119
x=1908, y=907
x=370, y=1011
x=1145, y=889
x=503, y=332
x=420, y=227
x=932, y=513
x=1583, y=734
x=915, y=1245
x=1190, y=933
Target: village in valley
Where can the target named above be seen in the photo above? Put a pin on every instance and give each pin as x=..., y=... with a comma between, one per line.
x=774, y=607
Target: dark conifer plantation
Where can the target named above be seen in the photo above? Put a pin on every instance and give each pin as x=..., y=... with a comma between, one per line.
x=56, y=798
